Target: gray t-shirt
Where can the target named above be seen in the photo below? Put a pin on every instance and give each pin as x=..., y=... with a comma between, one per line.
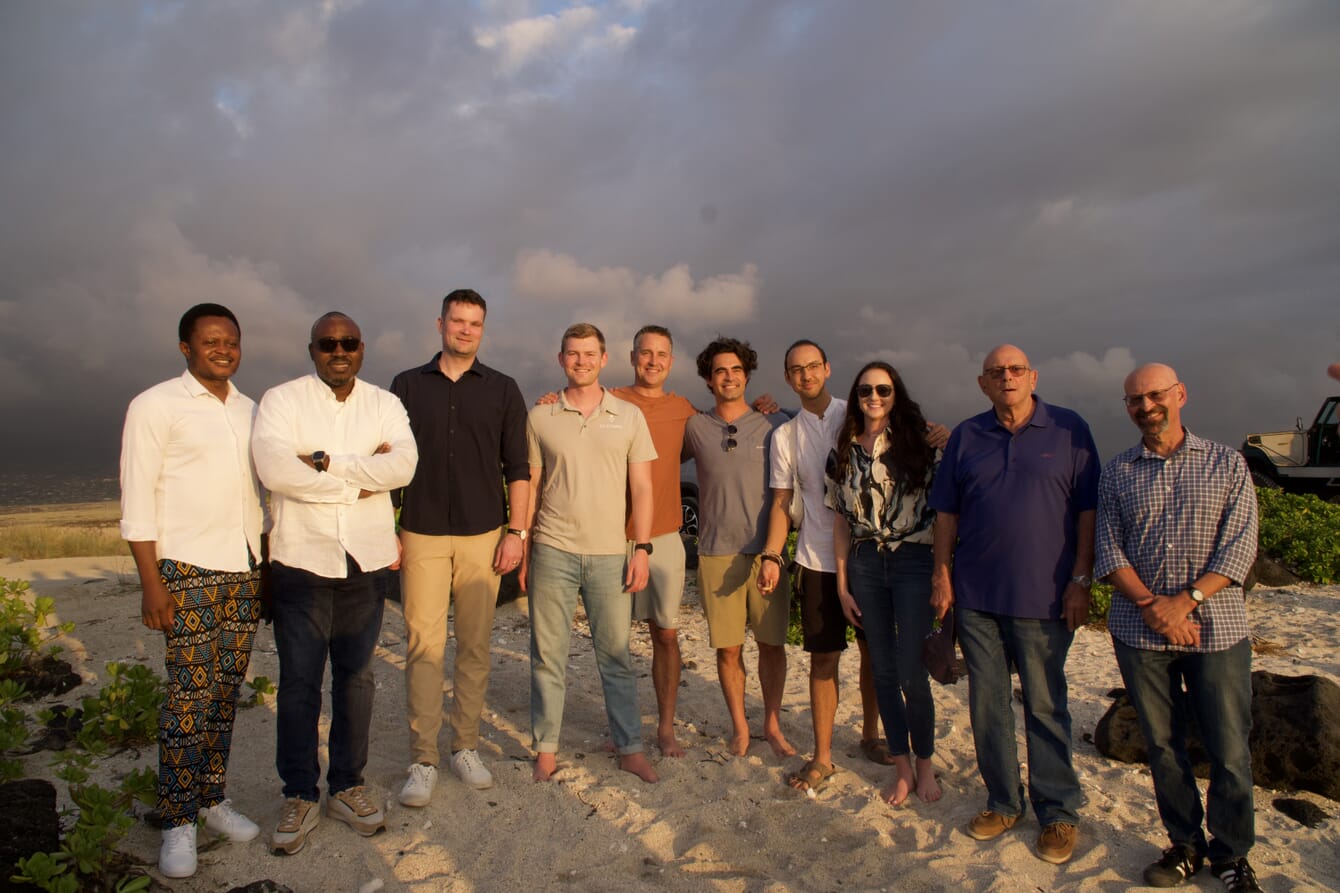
x=733, y=493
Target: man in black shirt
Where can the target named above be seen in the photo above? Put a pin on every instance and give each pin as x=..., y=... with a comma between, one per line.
x=470, y=425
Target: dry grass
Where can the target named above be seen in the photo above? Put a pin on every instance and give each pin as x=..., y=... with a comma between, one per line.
x=61, y=531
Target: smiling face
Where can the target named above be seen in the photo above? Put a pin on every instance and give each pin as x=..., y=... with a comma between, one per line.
x=728, y=379
x=338, y=367
x=462, y=328
x=1007, y=380
x=582, y=359
x=214, y=350
x=652, y=357
x=1154, y=400
x=806, y=371
x=874, y=406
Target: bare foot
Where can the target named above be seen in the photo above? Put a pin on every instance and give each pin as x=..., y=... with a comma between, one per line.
x=780, y=746
x=609, y=746
x=669, y=745
x=903, y=781
x=928, y=786
x=639, y=765
x=739, y=744
x=546, y=764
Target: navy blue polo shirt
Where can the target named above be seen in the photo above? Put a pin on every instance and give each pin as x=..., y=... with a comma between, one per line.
x=1017, y=497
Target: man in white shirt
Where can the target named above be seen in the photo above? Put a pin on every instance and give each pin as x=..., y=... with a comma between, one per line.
x=191, y=513
x=330, y=448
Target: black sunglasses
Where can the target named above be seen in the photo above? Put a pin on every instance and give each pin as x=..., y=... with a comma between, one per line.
x=731, y=443
x=328, y=345
x=865, y=390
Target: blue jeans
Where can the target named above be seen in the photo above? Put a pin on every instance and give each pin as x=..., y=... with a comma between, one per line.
x=1038, y=649
x=893, y=591
x=315, y=617
x=556, y=579
x=1218, y=687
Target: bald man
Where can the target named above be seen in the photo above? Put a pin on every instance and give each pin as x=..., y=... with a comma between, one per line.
x=1176, y=536
x=1015, y=498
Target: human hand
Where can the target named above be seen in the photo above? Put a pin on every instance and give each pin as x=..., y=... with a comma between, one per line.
x=765, y=404
x=942, y=596
x=769, y=575
x=850, y=610
x=1075, y=606
x=547, y=399
x=937, y=435
x=508, y=554
x=639, y=570
x=156, y=606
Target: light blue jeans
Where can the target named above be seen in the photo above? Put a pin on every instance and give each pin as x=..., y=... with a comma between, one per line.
x=556, y=579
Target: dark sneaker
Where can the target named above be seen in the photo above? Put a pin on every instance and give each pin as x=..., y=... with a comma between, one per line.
x=989, y=825
x=1056, y=843
x=1237, y=876
x=1178, y=864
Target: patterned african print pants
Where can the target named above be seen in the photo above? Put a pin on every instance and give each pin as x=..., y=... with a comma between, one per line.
x=214, y=622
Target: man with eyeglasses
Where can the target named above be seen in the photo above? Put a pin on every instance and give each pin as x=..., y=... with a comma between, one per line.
x=1177, y=524
x=730, y=445
x=330, y=448
x=1015, y=498
x=460, y=531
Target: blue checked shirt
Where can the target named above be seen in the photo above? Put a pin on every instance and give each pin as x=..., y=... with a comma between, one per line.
x=1172, y=520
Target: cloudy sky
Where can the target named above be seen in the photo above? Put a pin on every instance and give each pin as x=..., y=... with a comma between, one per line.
x=1103, y=184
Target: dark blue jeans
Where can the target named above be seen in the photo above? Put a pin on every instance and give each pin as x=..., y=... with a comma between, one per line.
x=1038, y=649
x=316, y=617
x=1218, y=687
x=893, y=591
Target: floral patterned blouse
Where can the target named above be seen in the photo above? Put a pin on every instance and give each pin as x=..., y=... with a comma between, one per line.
x=876, y=507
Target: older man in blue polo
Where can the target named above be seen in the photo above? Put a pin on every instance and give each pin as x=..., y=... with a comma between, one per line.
x=1015, y=500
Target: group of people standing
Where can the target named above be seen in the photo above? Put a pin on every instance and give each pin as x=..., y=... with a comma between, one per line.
x=1006, y=521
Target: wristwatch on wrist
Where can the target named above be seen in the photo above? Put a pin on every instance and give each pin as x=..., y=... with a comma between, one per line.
x=1083, y=580
x=1196, y=595
x=518, y=533
x=319, y=460
x=644, y=547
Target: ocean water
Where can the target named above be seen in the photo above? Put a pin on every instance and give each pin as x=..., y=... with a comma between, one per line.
x=56, y=489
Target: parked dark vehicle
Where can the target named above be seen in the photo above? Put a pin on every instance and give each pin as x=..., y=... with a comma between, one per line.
x=1302, y=460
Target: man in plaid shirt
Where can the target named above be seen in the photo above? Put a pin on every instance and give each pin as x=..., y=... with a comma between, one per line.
x=1176, y=536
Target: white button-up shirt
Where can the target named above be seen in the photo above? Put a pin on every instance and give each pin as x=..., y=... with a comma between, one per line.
x=318, y=516
x=187, y=480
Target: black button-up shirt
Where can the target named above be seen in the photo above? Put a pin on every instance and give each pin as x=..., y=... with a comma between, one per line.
x=472, y=437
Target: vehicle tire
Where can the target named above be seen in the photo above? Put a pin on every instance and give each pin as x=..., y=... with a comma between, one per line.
x=688, y=529
x=1264, y=481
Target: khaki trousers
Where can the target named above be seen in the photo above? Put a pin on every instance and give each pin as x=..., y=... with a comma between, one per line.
x=433, y=571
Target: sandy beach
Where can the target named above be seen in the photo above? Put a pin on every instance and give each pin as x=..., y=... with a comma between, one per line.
x=715, y=822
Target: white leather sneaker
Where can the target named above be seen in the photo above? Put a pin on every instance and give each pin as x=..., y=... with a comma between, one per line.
x=470, y=769
x=418, y=789
x=227, y=822
x=176, y=857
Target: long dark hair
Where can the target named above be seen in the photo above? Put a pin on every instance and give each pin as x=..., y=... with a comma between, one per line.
x=909, y=456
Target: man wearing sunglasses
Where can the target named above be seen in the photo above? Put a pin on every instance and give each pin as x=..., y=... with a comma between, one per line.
x=330, y=448
x=461, y=531
x=1177, y=524
x=730, y=446
x=1015, y=498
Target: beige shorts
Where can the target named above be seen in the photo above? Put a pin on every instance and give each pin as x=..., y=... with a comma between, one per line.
x=728, y=587
x=664, y=593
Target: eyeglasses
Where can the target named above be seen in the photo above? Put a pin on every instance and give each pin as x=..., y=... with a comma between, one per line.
x=998, y=372
x=328, y=345
x=1136, y=400
x=814, y=367
x=730, y=442
x=863, y=391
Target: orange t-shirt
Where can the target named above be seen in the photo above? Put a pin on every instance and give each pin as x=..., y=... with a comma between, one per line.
x=666, y=417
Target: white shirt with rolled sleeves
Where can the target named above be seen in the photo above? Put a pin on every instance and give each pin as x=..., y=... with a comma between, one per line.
x=187, y=481
x=813, y=437
x=318, y=516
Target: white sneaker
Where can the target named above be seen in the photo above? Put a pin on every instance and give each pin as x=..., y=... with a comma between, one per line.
x=227, y=822
x=471, y=770
x=418, y=789
x=176, y=857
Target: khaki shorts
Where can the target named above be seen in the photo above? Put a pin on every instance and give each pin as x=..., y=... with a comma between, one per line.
x=728, y=587
x=664, y=593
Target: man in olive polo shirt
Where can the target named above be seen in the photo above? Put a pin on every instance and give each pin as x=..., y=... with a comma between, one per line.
x=586, y=452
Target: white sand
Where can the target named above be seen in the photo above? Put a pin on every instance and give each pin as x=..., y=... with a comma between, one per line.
x=714, y=822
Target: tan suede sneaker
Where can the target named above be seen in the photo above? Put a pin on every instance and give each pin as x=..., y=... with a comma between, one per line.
x=989, y=825
x=1056, y=843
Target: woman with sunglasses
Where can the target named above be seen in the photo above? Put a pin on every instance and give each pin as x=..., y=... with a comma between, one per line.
x=879, y=475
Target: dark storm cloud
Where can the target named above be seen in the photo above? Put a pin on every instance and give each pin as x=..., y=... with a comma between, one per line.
x=1102, y=184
